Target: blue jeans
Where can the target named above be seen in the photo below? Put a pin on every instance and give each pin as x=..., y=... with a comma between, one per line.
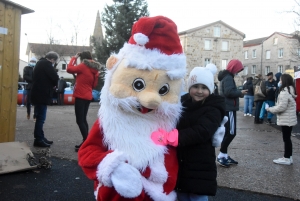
x=40, y=111
x=248, y=104
x=191, y=197
x=263, y=110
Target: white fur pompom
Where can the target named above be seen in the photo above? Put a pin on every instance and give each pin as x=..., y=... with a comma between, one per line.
x=212, y=68
x=140, y=39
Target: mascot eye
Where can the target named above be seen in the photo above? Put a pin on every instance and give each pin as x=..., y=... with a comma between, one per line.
x=138, y=84
x=164, y=90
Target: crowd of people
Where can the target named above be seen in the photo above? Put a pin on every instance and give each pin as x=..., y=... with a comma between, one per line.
x=273, y=96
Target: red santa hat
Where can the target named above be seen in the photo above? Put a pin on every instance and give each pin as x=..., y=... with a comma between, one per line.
x=155, y=44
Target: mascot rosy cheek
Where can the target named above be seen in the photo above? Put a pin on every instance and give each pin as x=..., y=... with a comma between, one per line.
x=141, y=95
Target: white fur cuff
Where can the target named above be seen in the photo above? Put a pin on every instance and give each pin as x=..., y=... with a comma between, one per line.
x=108, y=165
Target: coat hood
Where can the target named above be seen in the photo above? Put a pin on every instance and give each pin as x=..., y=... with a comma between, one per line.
x=278, y=75
x=223, y=73
x=92, y=64
x=292, y=91
x=234, y=66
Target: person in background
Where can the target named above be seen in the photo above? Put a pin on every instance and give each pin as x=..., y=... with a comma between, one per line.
x=277, y=76
x=24, y=97
x=248, y=97
x=271, y=87
x=44, y=80
x=87, y=73
x=28, y=75
x=258, y=99
x=62, y=84
x=286, y=116
x=229, y=91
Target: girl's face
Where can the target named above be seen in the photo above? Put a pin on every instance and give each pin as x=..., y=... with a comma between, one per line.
x=199, y=92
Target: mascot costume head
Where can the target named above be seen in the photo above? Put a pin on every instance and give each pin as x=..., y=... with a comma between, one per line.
x=141, y=94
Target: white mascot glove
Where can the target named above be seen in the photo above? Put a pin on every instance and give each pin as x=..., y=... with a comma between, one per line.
x=127, y=181
x=219, y=134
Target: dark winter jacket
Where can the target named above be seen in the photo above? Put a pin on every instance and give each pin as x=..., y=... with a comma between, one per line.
x=270, y=90
x=277, y=75
x=44, y=80
x=229, y=90
x=261, y=83
x=249, y=86
x=86, y=79
x=27, y=76
x=196, y=156
x=61, y=85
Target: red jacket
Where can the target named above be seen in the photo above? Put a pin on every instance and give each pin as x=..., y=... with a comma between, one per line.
x=86, y=79
x=93, y=152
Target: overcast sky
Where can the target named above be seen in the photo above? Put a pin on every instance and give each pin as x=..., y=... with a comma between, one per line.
x=61, y=18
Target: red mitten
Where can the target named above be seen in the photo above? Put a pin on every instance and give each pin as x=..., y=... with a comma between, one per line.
x=162, y=137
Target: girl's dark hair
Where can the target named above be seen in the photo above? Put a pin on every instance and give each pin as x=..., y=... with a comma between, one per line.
x=85, y=55
x=286, y=81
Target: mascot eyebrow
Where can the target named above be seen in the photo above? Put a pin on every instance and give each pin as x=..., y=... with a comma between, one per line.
x=156, y=77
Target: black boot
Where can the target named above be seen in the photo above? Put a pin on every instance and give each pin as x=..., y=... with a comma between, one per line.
x=40, y=143
x=48, y=141
x=77, y=147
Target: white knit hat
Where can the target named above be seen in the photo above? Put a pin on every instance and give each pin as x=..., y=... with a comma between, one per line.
x=203, y=75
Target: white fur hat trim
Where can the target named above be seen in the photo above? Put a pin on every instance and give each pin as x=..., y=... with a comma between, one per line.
x=147, y=59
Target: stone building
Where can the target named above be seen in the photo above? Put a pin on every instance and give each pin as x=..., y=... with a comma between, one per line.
x=216, y=43
x=278, y=52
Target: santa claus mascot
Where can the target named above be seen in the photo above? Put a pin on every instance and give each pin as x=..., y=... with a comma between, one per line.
x=141, y=95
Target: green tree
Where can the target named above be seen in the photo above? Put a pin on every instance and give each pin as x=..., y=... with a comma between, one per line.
x=117, y=20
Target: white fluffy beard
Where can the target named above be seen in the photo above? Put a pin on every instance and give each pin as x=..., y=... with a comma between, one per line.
x=128, y=130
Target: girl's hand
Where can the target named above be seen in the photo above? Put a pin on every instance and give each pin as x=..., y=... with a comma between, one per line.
x=77, y=55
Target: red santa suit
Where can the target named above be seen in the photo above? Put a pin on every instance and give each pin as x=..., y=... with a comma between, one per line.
x=141, y=94
x=92, y=154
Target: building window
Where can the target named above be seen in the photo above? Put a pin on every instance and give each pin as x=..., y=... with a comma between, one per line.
x=217, y=31
x=245, y=70
x=253, y=53
x=280, y=69
x=224, y=64
x=224, y=45
x=246, y=54
x=267, y=70
x=207, y=44
x=275, y=41
x=280, y=53
x=253, y=71
x=268, y=54
x=64, y=67
x=206, y=61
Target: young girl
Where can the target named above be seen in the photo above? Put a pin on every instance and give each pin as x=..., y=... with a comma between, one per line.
x=87, y=78
x=286, y=115
x=202, y=114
